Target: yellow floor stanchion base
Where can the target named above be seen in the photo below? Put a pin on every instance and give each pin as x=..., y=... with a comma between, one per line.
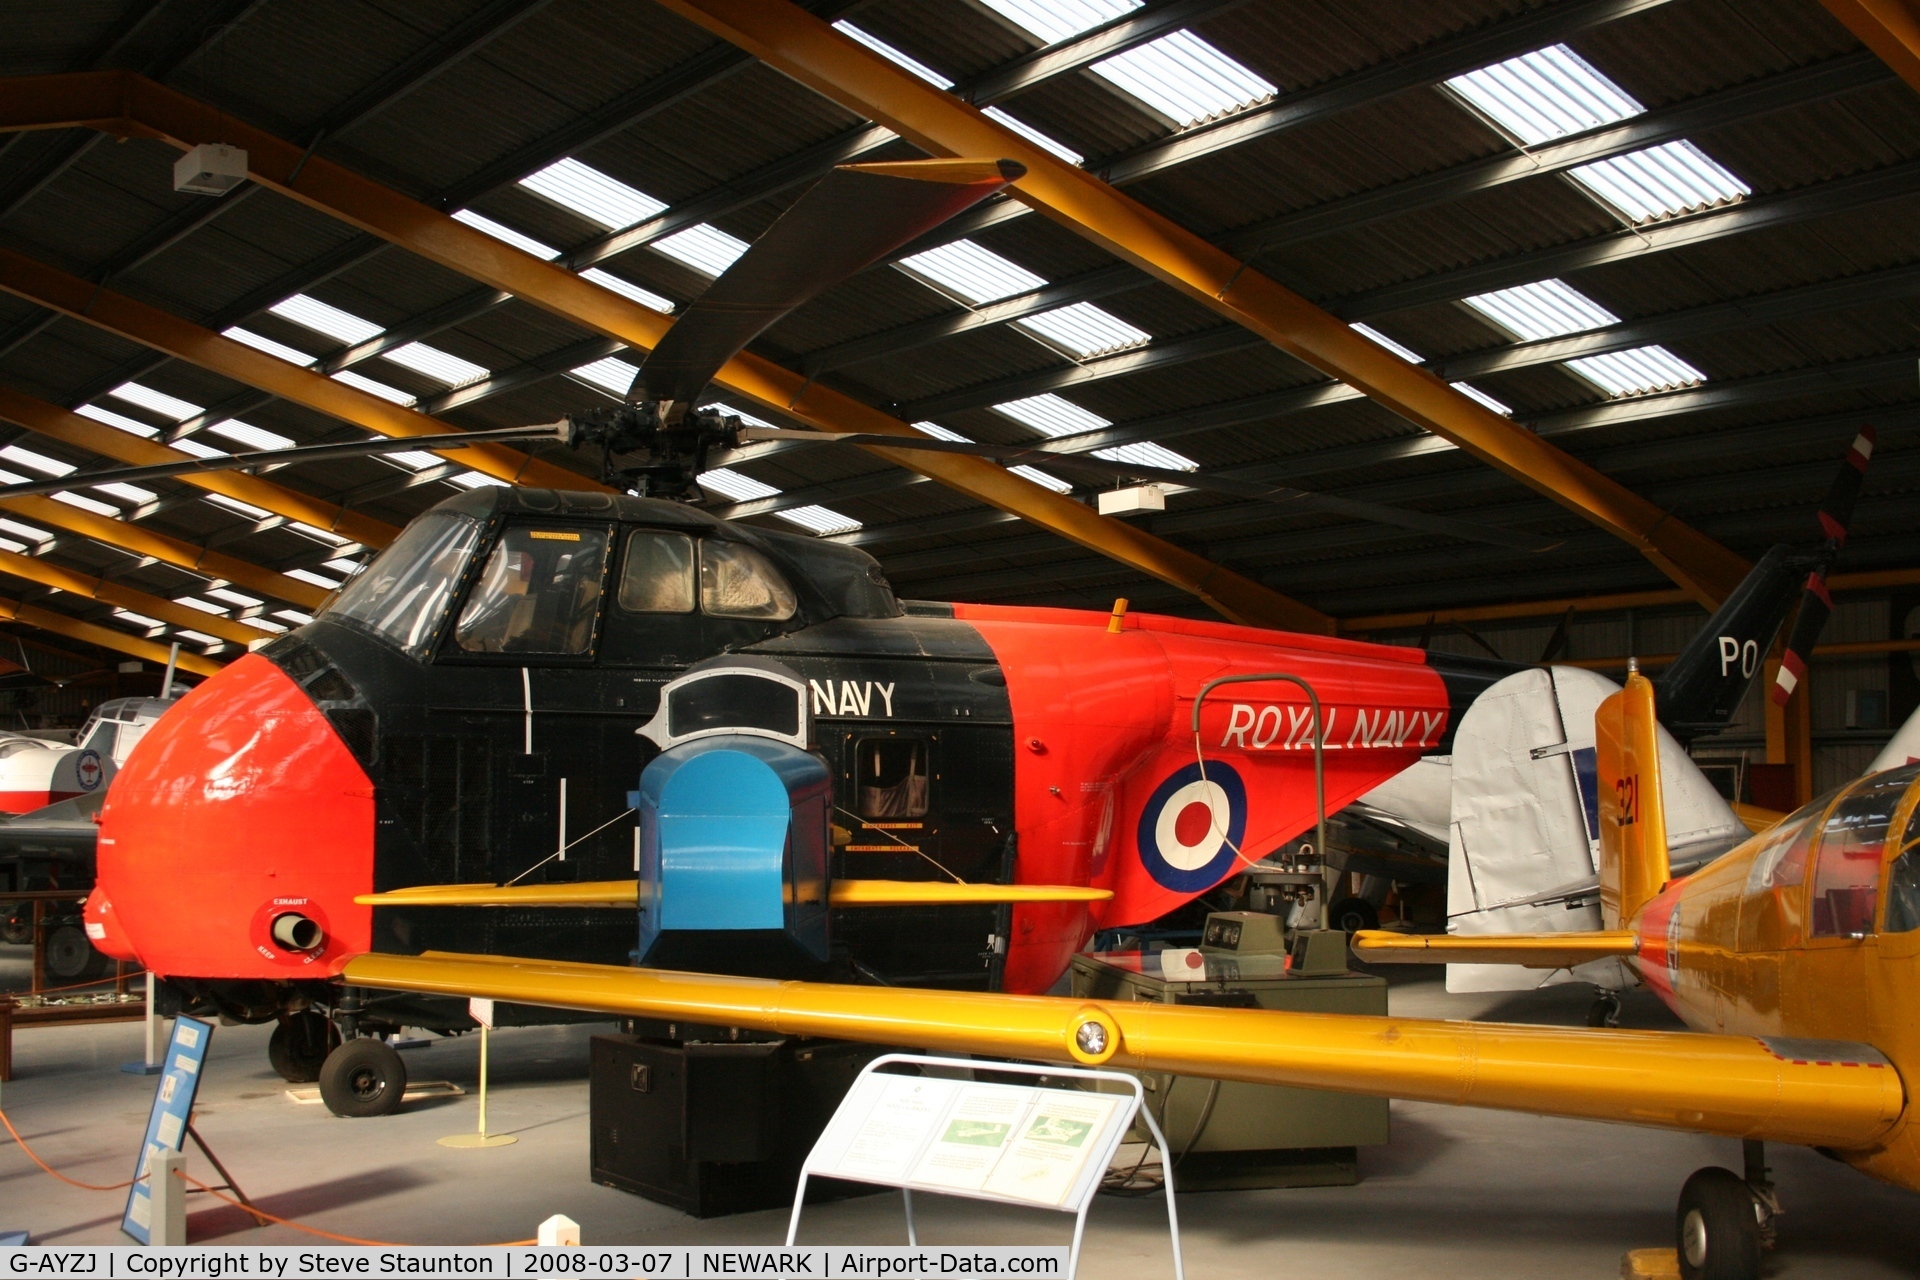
x=477, y=1140
x=1650, y=1264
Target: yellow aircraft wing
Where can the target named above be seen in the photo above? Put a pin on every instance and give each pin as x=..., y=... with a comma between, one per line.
x=626, y=893
x=1530, y=950
x=1795, y=1091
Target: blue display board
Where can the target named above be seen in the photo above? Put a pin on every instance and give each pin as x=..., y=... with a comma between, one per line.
x=167, y=1125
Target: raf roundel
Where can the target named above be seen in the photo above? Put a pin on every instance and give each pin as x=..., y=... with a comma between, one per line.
x=1192, y=825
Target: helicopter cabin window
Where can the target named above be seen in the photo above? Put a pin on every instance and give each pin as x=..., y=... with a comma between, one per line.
x=540, y=593
x=890, y=777
x=658, y=574
x=1903, y=881
x=401, y=596
x=1846, y=875
x=738, y=582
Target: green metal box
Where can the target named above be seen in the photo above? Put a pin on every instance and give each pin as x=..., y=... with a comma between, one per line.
x=1236, y=1135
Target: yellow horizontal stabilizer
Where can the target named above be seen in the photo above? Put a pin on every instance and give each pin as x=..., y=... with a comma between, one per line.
x=1734, y=1085
x=1529, y=950
x=625, y=893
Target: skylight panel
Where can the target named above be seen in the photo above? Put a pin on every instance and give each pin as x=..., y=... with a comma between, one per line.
x=1661, y=182
x=344, y=566
x=595, y=196
x=278, y=350
x=318, y=535
x=158, y=401
x=10, y=477
x=1185, y=78
x=1544, y=309
x=1553, y=92
x=137, y=619
x=410, y=459
x=234, y=597
x=251, y=436
x=1034, y=474
x=892, y=54
x=1546, y=94
x=311, y=578
x=628, y=289
x=1052, y=21
x=127, y=492
x=972, y=272
x=475, y=480
x=1053, y=416
x=1374, y=335
x=200, y=637
x=1637, y=372
x=1474, y=393
x=311, y=313
x=234, y=504
x=704, y=248
x=1085, y=330
x=506, y=235
x=731, y=484
x=85, y=503
x=294, y=616
x=187, y=444
x=610, y=374
x=26, y=531
x=117, y=421
x=204, y=606
x=8, y=544
x=741, y=414
x=37, y=461
x=265, y=625
x=368, y=385
x=1034, y=136
x=441, y=366
x=821, y=520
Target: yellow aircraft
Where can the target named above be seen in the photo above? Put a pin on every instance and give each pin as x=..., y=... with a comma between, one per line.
x=1793, y=957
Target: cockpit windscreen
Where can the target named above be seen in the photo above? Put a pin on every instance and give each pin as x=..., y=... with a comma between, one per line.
x=402, y=594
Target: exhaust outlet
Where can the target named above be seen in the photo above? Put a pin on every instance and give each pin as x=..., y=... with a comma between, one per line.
x=294, y=932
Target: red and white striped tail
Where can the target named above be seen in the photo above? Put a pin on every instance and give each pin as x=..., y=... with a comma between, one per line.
x=1792, y=668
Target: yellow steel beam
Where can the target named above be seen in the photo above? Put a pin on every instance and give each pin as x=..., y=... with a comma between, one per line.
x=124, y=597
x=129, y=105
x=105, y=637
x=802, y=46
x=1891, y=28
x=150, y=326
x=148, y=542
x=55, y=423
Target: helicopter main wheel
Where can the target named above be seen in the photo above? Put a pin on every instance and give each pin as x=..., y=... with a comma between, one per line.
x=17, y=925
x=299, y=1046
x=70, y=957
x=1604, y=1011
x=1350, y=915
x=363, y=1078
x=1718, y=1224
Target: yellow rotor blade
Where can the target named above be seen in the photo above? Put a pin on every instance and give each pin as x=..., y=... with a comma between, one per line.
x=1734, y=1085
x=1528, y=950
x=626, y=893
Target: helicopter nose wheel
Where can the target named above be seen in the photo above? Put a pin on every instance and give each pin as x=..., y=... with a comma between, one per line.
x=1604, y=1011
x=1724, y=1222
x=363, y=1078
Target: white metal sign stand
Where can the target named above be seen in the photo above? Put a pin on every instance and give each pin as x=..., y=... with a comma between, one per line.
x=1014, y=1144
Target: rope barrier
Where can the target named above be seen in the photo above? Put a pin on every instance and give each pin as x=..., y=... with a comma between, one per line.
x=47, y=1168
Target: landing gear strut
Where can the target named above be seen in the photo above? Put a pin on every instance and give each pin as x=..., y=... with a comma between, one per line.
x=1724, y=1222
x=1604, y=1011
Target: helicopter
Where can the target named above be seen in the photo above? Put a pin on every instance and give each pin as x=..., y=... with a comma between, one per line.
x=466, y=715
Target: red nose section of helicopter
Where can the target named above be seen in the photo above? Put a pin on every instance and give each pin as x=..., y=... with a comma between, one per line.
x=237, y=835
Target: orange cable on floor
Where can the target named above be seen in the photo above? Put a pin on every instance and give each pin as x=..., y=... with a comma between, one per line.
x=47, y=1168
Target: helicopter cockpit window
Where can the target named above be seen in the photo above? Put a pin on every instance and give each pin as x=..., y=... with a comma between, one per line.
x=540, y=593
x=1846, y=874
x=401, y=596
x=891, y=777
x=738, y=582
x=658, y=574
x=1903, y=881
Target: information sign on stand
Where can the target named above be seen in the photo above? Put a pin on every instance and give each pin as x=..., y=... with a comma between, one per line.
x=1016, y=1144
x=167, y=1124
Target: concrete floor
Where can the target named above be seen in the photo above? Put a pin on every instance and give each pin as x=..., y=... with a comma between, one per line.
x=1457, y=1193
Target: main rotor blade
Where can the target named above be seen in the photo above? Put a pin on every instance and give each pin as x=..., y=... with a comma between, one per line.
x=277, y=458
x=1279, y=495
x=845, y=222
